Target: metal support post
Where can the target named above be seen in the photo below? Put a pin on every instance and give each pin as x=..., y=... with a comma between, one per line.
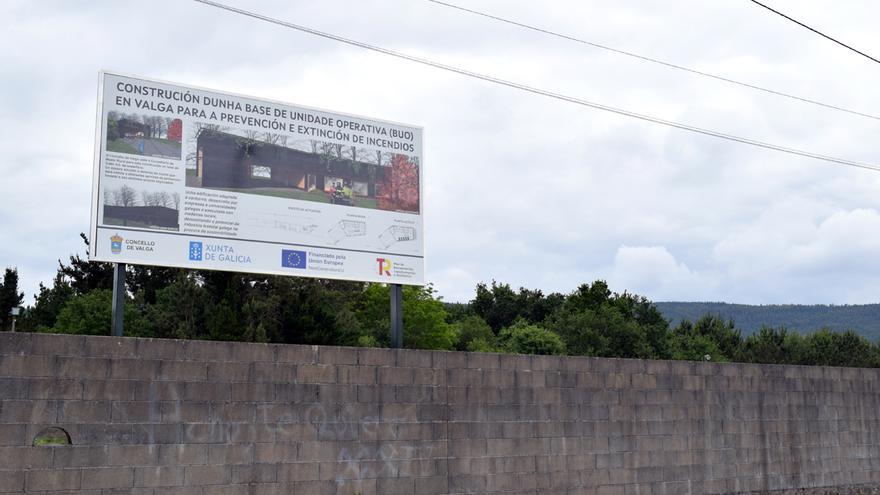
x=118, y=314
x=396, y=315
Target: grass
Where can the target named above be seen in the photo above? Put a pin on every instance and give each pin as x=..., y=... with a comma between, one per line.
x=366, y=202
x=170, y=142
x=52, y=436
x=43, y=441
x=119, y=146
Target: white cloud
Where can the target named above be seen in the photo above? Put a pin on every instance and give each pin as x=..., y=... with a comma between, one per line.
x=654, y=272
x=783, y=258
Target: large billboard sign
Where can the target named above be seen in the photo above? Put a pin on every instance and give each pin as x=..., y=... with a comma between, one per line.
x=194, y=178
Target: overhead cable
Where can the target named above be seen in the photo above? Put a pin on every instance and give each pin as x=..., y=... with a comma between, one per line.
x=820, y=33
x=654, y=60
x=549, y=94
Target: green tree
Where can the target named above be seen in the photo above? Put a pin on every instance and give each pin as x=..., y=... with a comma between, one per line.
x=484, y=345
x=10, y=297
x=500, y=306
x=84, y=275
x=225, y=298
x=497, y=306
x=112, y=129
x=312, y=312
x=90, y=314
x=725, y=335
x=535, y=307
x=471, y=328
x=773, y=346
x=649, y=319
x=525, y=338
x=584, y=332
x=179, y=309
x=827, y=348
x=148, y=280
x=78, y=277
x=627, y=339
x=457, y=311
x=709, y=335
x=424, y=317
x=47, y=304
x=593, y=321
x=261, y=314
x=589, y=297
x=690, y=345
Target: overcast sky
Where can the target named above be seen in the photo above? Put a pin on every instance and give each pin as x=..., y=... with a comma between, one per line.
x=520, y=188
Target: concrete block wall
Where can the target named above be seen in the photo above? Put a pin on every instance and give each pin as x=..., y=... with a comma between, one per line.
x=159, y=417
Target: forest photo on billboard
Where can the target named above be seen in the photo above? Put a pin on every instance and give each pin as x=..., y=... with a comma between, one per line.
x=146, y=135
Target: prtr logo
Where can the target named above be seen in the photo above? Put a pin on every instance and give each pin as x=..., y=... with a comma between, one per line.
x=195, y=251
x=384, y=266
x=291, y=258
x=116, y=244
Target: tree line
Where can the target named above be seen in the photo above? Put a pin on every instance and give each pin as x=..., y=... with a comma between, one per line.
x=127, y=196
x=862, y=318
x=592, y=320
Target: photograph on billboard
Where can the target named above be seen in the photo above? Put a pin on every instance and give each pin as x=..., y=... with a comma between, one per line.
x=195, y=178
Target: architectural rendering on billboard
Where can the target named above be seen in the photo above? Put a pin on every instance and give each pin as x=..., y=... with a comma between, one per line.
x=194, y=178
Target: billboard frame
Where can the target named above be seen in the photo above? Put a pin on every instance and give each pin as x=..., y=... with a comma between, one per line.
x=97, y=254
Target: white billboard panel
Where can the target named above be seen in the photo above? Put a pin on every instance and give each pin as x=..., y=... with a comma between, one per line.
x=194, y=178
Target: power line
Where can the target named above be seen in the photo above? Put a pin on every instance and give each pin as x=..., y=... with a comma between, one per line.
x=549, y=94
x=820, y=33
x=653, y=60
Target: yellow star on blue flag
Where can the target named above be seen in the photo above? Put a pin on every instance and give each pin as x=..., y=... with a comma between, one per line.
x=291, y=258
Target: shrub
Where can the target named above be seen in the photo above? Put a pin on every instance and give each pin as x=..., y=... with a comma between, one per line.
x=523, y=338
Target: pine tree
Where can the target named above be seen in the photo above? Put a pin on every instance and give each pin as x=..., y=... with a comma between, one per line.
x=10, y=297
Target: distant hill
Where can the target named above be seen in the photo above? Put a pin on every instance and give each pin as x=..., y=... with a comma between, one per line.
x=863, y=319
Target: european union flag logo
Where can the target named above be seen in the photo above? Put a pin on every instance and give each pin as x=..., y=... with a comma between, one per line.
x=195, y=251
x=293, y=259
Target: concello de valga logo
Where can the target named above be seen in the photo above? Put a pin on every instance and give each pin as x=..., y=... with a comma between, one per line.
x=116, y=244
